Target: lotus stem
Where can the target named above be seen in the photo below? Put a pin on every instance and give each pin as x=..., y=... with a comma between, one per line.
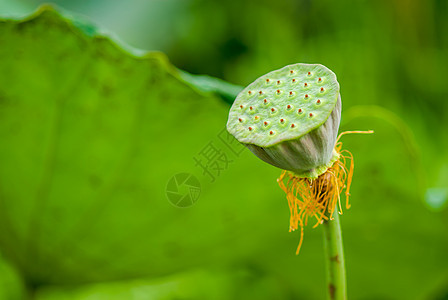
x=334, y=256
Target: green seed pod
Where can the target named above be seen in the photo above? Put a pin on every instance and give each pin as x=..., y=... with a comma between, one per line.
x=290, y=118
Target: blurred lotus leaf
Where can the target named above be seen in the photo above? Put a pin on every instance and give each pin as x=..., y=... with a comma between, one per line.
x=90, y=136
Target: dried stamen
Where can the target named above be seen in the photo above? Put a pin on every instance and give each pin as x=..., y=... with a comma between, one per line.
x=318, y=198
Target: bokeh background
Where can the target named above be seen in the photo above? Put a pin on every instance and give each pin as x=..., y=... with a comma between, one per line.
x=128, y=242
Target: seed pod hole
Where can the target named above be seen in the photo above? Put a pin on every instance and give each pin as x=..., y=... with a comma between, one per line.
x=322, y=89
x=318, y=101
x=306, y=96
x=311, y=115
x=300, y=111
x=278, y=92
x=305, y=84
x=319, y=79
x=293, y=125
x=250, y=128
x=293, y=80
x=240, y=120
x=271, y=132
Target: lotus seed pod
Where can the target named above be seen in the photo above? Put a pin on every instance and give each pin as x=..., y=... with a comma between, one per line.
x=290, y=118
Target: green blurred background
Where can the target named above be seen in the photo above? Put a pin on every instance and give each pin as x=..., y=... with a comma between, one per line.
x=391, y=59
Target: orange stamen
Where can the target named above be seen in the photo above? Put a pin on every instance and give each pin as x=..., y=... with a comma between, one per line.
x=318, y=198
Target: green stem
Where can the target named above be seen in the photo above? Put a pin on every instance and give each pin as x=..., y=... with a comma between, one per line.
x=334, y=253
